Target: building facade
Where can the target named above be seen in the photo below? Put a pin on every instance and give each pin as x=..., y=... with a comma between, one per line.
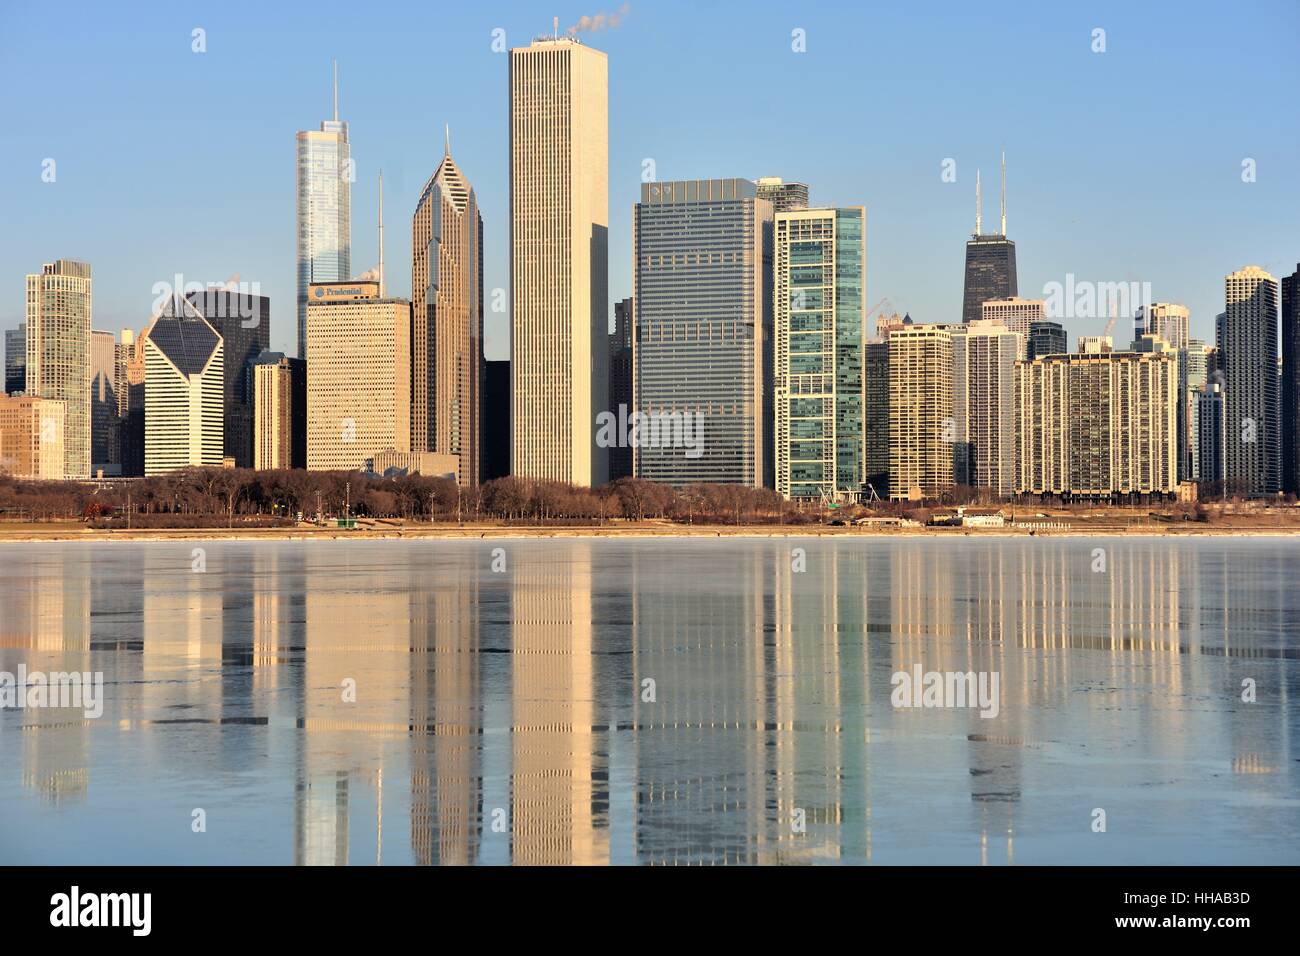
x=105, y=433
x=243, y=321
x=876, y=418
x=819, y=268
x=1017, y=315
x=447, y=320
x=358, y=375
x=1290, y=384
x=1251, y=406
x=1046, y=338
x=58, y=363
x=984, y=358
x=921, y=426
x=278, y=411
x=1211, y=438
x=621, y=380
x=16, y=359
x=784, y=197
x=702, y=258
x=1100, y=425
x=31, y=437
x=324, y=210
x=1168, y=320
x=559, y=224
x=184, y=380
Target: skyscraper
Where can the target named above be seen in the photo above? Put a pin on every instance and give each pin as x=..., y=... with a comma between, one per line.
x=621, y=380
x=132, y=424
x=702, y=254
x=984, y=357
x=1249, y=347
x=280, y=414
x=31, y=437
x=105, y=435
x=16, y=359
x=1046, y=338
x=783, y=196
x=876, y=417
x=496, y=420
x=1100, y=425
x=1193, y=376
x=1017, y=315
x=1168, y=320
x=58, y=351
x=358, y=375
x=184, y=376
x=819, y=269
x=447, y=320
x=243, y=321
x=921, y=427
x=990, y=260
x=325, y=175
x=559, y=203
x=1290, y=399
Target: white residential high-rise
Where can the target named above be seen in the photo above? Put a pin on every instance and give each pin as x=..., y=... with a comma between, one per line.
x=984, y=357
x=1168, y=320
x=1016, y=314
x=559, y=215
x=58, y=352
x=325, y=175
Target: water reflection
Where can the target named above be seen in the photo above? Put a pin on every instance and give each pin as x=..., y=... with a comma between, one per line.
x=660, y=702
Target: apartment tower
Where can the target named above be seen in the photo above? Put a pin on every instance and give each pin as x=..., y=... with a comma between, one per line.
x=58, y=363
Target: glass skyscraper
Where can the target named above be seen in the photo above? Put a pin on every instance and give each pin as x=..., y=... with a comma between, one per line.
x=819, y=278
x=325, y=176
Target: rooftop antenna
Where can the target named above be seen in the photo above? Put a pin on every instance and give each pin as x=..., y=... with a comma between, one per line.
x=555, y=27
x=1004, y=193
x=336, y=91
x=447, y=140
x=977, y=202
x=381, y=234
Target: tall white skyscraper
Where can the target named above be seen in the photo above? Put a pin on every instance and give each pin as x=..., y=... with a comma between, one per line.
x=559, y=225
x=58, y=352
x=325, y=174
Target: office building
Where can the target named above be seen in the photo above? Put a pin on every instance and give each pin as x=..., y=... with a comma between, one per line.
x=58, y=361
x=132, y=407
x=31, y=437
x=984, y=358
x=447, y=320
x=16, y=359
x=1168, y=320
x=559, y=225
x=279, y=411
x=876, y=419
x=819, y=301
x=1249, y=347
x=1046, y=338
x=990, y=260
x=496, y=420
x=105, y=430
x=702, y=258
x=184, y=378
x=621, y=381
x=324, y=205
x=243, y=321
x=358, y=375
x=1100, y=425
x=1211, y=438
x=1290, y=384
x=1017, y=315
x=922, y=430
x=784, y=197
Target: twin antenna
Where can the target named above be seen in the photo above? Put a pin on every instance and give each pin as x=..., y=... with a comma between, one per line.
x=978, y=219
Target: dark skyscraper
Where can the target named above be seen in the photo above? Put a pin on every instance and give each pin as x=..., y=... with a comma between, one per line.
x=990, y=260
x=496, y=420
x=244, y=323
x=1291, y=382
x=16, y=359
x=620, y=382
x=1046, y=338
x=876, y=425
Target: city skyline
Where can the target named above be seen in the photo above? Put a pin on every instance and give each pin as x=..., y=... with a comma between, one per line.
x=1061, y=200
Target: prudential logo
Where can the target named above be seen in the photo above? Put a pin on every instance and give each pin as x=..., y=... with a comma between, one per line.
x=102, y=909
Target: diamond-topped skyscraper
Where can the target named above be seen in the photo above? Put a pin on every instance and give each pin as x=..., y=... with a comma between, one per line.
x=990, y=260
x=324, y=209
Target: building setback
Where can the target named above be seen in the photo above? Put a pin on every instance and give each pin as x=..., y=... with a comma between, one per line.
x=358, y=375
x=1249, y=347
x=1101, y=425
x=921, y=427
x=702, y=255
x=819, y=268
x=58, y=361
x=447, y=320
x=184, y=377
x=559, y=225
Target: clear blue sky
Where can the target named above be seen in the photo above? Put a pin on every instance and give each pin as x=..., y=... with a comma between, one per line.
x=1123, y=166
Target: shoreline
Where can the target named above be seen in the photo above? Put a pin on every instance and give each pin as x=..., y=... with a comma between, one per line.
x=27, y=535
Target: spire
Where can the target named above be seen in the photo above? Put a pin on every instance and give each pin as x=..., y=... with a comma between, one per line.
x=447, y=148
x=381, y=234
x=977, y=202
x=336, y=91
x=1004, y=194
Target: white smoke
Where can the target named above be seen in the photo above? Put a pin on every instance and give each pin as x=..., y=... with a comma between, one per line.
x=601, y=21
